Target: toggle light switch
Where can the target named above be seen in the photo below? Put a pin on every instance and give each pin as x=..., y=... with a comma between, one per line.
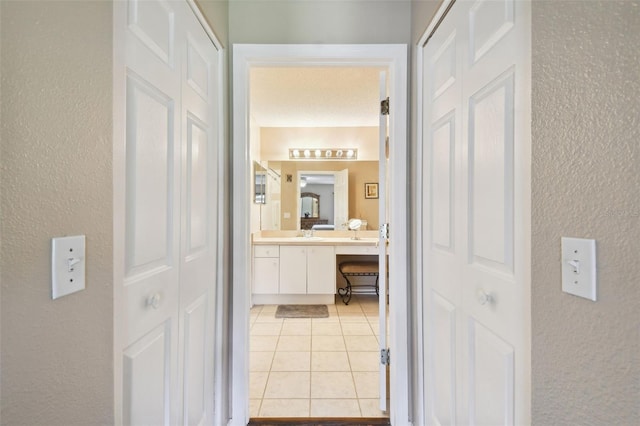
x=579, y=267
x=67, y=265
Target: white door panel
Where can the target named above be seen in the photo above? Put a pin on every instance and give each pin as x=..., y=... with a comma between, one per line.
x=197, y=336
x=490, y=377
x=341, y=199
x=153, y=22
x=444, y=337
x=149, y=377
x=476, y=174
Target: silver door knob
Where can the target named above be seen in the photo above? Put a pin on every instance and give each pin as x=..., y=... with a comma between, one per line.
x=483, y=297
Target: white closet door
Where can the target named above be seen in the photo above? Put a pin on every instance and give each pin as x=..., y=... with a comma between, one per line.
x=199, y=220
x=165, y=309
x=476, y=74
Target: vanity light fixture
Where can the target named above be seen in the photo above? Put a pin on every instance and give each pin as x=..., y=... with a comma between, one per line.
x=323, y=154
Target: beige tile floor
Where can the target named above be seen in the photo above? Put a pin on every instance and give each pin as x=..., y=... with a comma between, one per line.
x=316, y=367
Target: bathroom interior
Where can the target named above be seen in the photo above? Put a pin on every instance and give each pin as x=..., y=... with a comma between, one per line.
x=314, y=137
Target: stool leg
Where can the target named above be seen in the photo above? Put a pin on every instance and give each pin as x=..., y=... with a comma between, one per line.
x=345, y=292
x=377, y=288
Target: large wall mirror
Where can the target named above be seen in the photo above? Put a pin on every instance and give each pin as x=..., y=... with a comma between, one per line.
x=309, y=205
x=260, y=183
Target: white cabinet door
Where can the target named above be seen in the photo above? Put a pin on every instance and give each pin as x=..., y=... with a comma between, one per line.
x=293, y=270
x=321, y=270
x=266, y=275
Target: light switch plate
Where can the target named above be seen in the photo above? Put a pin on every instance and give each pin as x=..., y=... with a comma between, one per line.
x=67, y=265
x=579, y=267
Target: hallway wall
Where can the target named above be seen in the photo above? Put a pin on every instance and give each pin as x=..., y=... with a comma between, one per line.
x=56, y=179
x=319, y=21
x=585, y=183
x=57, y=355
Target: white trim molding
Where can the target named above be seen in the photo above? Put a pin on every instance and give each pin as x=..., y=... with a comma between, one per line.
x=393, y=58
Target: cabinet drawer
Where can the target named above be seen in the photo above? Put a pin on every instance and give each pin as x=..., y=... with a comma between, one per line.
x=357, y=250
x=266, y=251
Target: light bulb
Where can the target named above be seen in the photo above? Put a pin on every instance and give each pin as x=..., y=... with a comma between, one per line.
x=328, y=153
x=307, y=153
x=350, y=153
x=339, y=153
x=296, y=153
x=318, y=153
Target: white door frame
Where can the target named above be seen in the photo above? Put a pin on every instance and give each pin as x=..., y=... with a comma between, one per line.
x=393, y=58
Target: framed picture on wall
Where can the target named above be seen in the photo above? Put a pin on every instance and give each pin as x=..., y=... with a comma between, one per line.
x=370, y=190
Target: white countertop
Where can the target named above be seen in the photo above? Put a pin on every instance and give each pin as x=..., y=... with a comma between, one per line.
x=318, y=241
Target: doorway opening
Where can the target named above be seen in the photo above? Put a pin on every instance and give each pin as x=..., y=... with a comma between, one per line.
x=391, y=58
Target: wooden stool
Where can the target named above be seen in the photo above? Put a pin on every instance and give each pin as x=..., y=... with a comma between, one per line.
x=357, y=269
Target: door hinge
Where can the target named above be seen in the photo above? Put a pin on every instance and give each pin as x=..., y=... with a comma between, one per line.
x=384, y=357
x=384, y=231
x=384, y=107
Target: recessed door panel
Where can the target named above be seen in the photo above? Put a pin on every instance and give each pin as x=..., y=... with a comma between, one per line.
x=443, y=368
x=197, y=71
x=491, y=377
x=149, y=177
x=442, y=182
x=195, y=352
x=153, y=22
x=147, y=378
x=489, y=21
x=443, y=68
x=490, y=148
x=197, y=179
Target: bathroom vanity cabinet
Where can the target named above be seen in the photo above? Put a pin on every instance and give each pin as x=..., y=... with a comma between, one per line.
x=307, y=270
x=301, y=270
x=266, y=269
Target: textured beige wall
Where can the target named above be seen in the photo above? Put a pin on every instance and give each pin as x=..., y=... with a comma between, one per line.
x=56, y=179
x=586, y=183
x=319, y=21
x=216, y=12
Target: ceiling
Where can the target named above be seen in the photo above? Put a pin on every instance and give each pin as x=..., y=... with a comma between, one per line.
x=314, y=97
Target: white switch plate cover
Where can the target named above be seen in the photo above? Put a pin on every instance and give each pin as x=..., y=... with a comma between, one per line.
x=67, y=265
x=579, y=267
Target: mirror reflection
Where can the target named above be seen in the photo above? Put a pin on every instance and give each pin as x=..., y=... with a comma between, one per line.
x=260, y=183
x=309, y=205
